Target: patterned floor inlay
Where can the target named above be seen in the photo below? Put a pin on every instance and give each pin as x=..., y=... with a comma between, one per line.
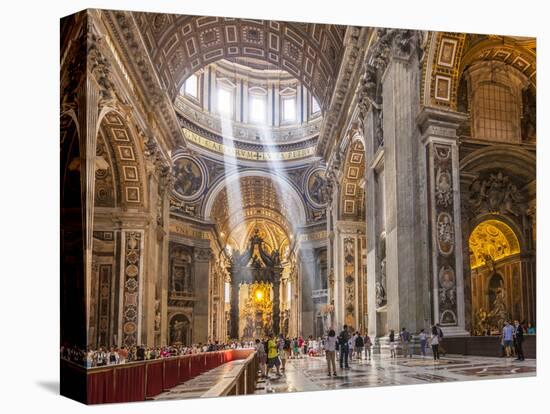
x=310, y=374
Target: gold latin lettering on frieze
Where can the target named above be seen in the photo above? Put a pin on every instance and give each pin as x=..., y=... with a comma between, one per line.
x=247, y=154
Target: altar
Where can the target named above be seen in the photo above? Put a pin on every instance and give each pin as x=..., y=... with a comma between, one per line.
x=255, y=291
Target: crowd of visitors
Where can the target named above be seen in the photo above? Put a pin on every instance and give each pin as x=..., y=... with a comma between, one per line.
x=273, y=352
x=119, y=355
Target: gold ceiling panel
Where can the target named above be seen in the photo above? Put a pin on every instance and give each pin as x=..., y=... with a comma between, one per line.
x=494, y=240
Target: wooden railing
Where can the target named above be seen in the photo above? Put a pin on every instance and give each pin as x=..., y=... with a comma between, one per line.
x=240, y=380
x=138, y=381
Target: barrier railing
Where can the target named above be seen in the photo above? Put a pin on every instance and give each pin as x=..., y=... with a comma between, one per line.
x=240, y=380
x=138, y=381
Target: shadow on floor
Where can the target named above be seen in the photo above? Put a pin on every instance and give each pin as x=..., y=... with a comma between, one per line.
x=51, y=386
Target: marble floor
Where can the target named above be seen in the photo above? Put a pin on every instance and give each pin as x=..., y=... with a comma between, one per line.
x=310, y=374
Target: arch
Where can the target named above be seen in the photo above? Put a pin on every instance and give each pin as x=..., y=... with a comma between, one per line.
x=492, y=239
x=233, y=178
x=515, y=160
x=448, y=55
x=181, y=45
x=129, y=177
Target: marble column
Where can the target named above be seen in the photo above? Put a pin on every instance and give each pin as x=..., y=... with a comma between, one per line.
x=88, y=118
x=306, y=276
x=202, y=258
x=234, y=312
x=443, y=188
x=131, y=287
x=405, y=238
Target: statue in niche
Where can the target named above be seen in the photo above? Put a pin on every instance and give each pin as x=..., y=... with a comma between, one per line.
x=497, y=295
x=157, y=315
x=179, y=279
x=481, y=323
x=381, y=280
x=177, y=330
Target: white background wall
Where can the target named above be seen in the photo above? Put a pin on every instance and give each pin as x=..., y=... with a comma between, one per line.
x=29, y=223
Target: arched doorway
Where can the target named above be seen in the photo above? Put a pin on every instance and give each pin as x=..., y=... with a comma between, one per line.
x=496, y=276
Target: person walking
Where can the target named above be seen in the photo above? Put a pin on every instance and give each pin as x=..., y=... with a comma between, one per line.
x=368, y=346
x=405, y=337
x=507, y=338
x=351, y=346
x=282, y=352
x=343, y=344
x=440, y=335
x=392, y=343
x=434, y=341
x=273, y=356
x=518, y=340
x=423, y=338
x=330, y=352
x=359, y=345
x=262, y=357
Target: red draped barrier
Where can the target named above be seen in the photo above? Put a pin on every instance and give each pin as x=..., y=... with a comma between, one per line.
x=185, y=369
x=137, y=381
x=155, y=378
x=130, y=383
x=171, y=374
x=100, y=386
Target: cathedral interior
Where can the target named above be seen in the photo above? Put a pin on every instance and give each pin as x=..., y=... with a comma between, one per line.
x=227, y=178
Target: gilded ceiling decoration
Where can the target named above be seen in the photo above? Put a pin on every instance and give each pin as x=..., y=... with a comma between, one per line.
x=449, y=54
x=492, y=240
x=352, y=193
x=250, y=199
x=118, y=136
x=180, y=45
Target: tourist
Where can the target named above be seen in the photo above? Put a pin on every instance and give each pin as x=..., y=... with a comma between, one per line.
x=262, y=357
x=273, y=356
x=518, y=341
x=405, y=337
x=530, y=329
x=507, y=338
x=392, y=343
x=440, y=335
x=423, y=341
x=113, y=356
x=287, y=348
x=300, y=346
x=282, y=352
x=330, y=352
x=358, y=346
x=343, y=345
x=295, y=347
x=434, y=342
x=368, y=346
x=351, y=346
x=89, y=358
